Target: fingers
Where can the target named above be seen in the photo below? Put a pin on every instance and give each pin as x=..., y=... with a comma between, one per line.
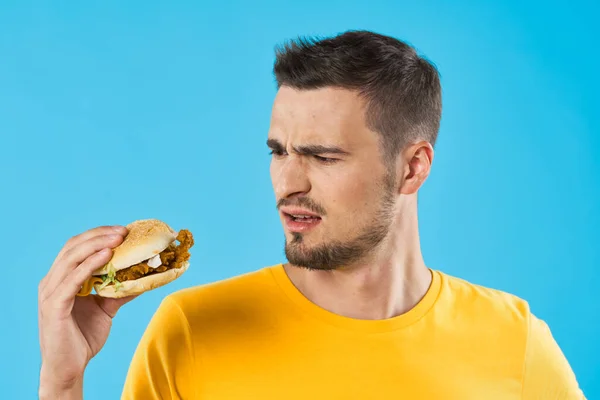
x=71, y=285
x=72, y=258
x=84, y=236
x=75, y=256
x=78, y=239
x=79, y=249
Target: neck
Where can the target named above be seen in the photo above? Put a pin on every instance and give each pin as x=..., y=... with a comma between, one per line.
x=390, y=283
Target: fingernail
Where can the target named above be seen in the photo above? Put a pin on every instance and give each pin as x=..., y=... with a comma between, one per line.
x=119, y=228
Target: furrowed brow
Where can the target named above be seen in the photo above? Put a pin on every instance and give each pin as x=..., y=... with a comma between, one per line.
x=275, y=144
x=315, y=149
x=307, y=150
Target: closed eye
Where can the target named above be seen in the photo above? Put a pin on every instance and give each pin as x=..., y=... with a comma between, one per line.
x=276, y=152
x=326, y=160
x=321, y=159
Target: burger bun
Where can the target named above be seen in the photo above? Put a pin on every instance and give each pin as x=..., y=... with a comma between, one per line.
x=146, y=238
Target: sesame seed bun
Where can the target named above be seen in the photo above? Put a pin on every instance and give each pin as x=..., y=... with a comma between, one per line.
x=146, y=238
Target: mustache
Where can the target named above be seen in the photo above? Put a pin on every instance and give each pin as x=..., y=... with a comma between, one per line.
x=304, y=202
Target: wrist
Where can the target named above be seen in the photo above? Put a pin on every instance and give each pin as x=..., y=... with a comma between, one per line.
x=72, y=390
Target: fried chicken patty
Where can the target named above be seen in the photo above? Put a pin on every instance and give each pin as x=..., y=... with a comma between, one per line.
x=172, y=257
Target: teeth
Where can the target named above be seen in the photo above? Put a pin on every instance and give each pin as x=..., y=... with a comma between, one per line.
x=302, y=216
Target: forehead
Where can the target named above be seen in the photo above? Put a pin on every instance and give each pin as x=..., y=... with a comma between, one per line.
x=319, y=115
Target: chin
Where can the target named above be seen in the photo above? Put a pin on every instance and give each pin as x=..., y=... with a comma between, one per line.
x=315, y=258
x=303, y=240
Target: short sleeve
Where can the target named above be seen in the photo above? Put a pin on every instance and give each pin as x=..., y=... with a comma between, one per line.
x=547, y=373
x=162, y=366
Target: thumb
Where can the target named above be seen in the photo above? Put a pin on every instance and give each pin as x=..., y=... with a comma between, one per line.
x=111, y=306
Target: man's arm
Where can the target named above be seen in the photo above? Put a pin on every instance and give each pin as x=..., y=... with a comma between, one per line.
x=547, y=373
x=163, y=364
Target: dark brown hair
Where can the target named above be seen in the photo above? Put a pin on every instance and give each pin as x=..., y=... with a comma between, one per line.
x=401, y=88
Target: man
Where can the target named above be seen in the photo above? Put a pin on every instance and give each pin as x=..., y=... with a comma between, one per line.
x=355, y=313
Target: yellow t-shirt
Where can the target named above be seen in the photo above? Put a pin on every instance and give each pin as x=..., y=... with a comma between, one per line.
x=255, y=336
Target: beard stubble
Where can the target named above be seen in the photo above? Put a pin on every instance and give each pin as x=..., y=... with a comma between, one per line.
x=336, y=254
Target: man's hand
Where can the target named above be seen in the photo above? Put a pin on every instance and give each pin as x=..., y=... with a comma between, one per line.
x=74, y=328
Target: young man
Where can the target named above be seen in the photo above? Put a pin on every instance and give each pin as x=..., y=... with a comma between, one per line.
x=355, y=313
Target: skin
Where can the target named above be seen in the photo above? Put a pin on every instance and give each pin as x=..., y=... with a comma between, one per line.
x=355, y=193
x=381, y=282
x=73, y=328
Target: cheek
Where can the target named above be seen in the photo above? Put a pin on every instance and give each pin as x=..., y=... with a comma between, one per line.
x=350, y=194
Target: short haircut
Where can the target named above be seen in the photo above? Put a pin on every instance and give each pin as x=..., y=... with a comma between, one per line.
x=402, y=89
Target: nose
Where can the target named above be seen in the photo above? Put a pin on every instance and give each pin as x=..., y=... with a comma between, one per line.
x=289, y=177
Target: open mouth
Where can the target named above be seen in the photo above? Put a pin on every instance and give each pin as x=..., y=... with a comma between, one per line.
x=302, y=218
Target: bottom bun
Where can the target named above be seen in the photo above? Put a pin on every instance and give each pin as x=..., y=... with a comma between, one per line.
x=141, y=285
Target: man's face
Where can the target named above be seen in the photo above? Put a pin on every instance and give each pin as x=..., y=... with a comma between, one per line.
x=334, y=194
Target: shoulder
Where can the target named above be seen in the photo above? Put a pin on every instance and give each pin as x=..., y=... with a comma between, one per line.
x=249, y=293
x=507, y=321
x=488, y=314
x=245, y=285
x=547, y=371
x=498, y=305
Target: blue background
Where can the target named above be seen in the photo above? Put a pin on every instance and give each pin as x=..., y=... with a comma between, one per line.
x=113, y=112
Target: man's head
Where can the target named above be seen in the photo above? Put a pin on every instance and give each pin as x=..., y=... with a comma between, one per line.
x=353, y=126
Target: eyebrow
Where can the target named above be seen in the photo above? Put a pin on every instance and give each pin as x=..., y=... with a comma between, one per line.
x=307, y=149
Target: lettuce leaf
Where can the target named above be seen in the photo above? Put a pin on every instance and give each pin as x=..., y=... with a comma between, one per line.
x=110, y=278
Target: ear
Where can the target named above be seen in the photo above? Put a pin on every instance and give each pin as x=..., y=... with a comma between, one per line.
x=415, y=165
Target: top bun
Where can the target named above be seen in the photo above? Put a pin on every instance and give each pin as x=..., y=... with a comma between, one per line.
x=146, y=238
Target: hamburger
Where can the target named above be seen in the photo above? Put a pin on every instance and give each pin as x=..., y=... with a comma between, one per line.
x=148, y=257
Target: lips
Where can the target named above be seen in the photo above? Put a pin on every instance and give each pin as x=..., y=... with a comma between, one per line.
x=299, y=212
x=300, y=221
